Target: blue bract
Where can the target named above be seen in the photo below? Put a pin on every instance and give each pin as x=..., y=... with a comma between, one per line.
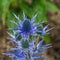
x=18, y=54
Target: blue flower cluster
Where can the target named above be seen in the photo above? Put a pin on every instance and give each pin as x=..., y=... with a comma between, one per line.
x=26, y=48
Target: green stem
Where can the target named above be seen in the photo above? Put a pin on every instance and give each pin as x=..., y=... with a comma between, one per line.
x=28, y=56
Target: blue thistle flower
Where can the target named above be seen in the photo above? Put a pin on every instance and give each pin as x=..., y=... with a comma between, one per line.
x=26, y=27
x=26, y=48
x=33, y=50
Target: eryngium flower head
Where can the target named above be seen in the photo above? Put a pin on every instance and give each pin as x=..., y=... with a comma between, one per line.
x=34, y=53
x=26, y=27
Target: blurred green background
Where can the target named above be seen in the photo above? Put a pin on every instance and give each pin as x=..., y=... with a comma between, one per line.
x=30, y=7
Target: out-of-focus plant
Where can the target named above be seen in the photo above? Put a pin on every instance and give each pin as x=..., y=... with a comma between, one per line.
x=41, y=7
x=25, y=47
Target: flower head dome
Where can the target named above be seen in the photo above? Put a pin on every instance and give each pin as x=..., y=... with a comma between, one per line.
x=26, y=27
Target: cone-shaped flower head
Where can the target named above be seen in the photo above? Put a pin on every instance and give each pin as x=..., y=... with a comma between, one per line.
x=21, y=53
x=26, y=27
